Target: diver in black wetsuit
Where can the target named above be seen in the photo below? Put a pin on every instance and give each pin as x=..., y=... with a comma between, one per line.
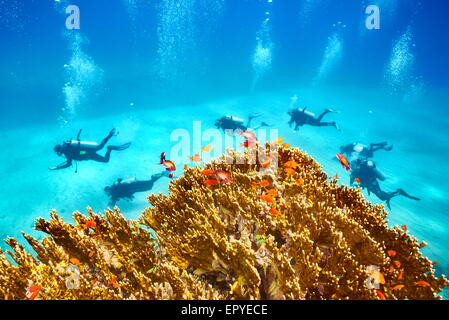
x=236, y=124
x=125, y=189
x=356, y=151
x=368, y=174
x=81, y=150
x=301, y=117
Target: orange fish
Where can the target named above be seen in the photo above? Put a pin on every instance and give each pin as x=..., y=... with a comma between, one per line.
x=264, y=183
x=397, y=263
x=91, y=224
x=75, y=261
x=400, y=275
x=391, y=268
x=435, y=262
x=391, y=253
x=91, y=253
x=169, y=165
x=34, y=290
x=357, y=180
x=290, y=171
x=278, y=141
x=272, y=192
x=273, y=211
x=195, y=158
x=254, y=184
x=210, y=182
x=223, y=176
x=291, y=164
x=248, y=135
x=208, y=172
x=422, y=283
x=207, y=148
x=398, y=287
x=286, y=145
x=299, y=182
x=186, y=167
x=344, y=162
x=248, y=144
x=267, y=198
x=404, y=227
x=380, y=295
x=170, y=175
x=265, y=164
x=114, y=283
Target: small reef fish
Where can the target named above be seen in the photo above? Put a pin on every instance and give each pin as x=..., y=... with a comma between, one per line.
x=400, y=275
x=210, y=182
x=357, y=180
x=272, y=192
x=299, y=182
x=248, y=135
x=422, y=283
x=223, y=176
x=264, y=183
x=404, y=227
x=398, y=287
x=397, y=263
x=196, y=158
x=290, y=171
x=380, y=295
x=391, y=253
x=278, y=140
x=344, y=162
x=114, y=283
x=267, y=198
x=207, y=148
x=90, y=224
x=248, y=144
x=265, y=164
x=291, y=164
x=275, y=212
x=75, y=261
x=286, y=145
x=169, y=165
x=33, y=292
x=208, y=172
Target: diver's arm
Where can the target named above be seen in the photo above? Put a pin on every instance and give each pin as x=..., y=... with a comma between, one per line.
x=63, y=165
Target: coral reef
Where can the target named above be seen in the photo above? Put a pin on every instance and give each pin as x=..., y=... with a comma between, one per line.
x=269, y=231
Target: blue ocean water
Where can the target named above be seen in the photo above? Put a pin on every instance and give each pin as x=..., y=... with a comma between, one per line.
x=149, y=68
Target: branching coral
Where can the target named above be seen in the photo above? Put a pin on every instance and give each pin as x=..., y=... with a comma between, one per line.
x=272, y=232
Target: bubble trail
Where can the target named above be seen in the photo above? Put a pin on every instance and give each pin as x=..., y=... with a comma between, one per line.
x=332, y=56
x=83, y=75
x=263, y=53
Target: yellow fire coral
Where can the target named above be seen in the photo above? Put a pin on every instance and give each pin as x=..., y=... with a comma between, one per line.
x=265, y=233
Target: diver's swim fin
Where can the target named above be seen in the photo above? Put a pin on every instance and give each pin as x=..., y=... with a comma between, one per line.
x=263, y=124
x=120, y=148
x=405, y=194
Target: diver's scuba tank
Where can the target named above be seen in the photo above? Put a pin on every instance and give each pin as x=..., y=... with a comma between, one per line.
x=235, y=119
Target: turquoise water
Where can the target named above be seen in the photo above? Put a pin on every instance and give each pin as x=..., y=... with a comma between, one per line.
x=171, y=63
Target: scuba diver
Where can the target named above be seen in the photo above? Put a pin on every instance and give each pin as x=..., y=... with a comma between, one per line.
x=125, y=189
x=367, y=174
x=82, y=150
x=301, y=117
x=237, y=124
x=355, y=151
